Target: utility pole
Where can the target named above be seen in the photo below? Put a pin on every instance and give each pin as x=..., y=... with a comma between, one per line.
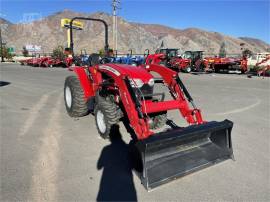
x=115, y=7
x=1, y=44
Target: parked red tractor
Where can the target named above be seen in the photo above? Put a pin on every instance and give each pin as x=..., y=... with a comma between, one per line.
x=197, y=62
x=170, y=58
x=115, y=92
x=47, y=61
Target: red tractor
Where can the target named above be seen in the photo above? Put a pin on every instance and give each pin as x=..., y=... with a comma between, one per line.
x=197, y=62
x=120, y=92
x=169, y=58
x=35, y=62
x=43, y=62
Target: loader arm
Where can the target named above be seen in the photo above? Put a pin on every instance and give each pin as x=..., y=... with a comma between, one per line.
x=131, y=105
x=138, y=110
x=179, y=92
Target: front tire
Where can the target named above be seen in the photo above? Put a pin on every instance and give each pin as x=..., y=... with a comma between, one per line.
x=76, y=105
x=188, y=70
x=107, y=114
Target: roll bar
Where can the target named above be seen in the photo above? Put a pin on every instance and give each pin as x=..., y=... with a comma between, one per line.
x=106, y=47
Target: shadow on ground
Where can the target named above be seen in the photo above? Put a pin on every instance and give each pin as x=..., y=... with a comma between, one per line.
x=117, y=179
x=4, y=83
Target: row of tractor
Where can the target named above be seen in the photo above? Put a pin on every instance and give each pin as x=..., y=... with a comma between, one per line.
x=46, y=61
x=194, y=61
x=189, y=61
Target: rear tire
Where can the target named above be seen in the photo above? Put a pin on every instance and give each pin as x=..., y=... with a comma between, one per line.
x=76, y=105
x=188, y=70
x=107, y=114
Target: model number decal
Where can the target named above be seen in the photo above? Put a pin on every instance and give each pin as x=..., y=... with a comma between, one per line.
x=110, y=69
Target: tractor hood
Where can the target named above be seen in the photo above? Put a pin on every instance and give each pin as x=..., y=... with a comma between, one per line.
x=133, y=72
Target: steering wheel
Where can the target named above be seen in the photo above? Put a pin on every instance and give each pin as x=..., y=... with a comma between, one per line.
x=106, y=60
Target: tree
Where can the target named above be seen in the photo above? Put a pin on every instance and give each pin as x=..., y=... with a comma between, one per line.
x=246, y=53
x=101, y=52
x=5, y=53
x=162, y=45
x=58, y=52
x=25, y=52
x=222, y=50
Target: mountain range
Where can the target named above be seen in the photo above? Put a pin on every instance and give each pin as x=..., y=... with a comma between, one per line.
x=48, y=33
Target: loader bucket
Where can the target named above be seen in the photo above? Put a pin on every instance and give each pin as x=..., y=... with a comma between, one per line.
x=168, y=155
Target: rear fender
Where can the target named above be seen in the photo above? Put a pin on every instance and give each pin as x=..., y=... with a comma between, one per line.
x=86, y=83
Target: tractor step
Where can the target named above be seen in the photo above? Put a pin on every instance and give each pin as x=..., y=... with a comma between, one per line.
x=172, y=154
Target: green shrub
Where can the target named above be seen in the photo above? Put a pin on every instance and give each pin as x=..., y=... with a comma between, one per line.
x=5, y=53
x=222, y=50
x=58, y=52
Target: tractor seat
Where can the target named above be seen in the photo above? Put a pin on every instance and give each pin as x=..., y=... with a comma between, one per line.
x=94, y=59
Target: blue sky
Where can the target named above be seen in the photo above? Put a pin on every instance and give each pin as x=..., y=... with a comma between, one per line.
x=235, y=18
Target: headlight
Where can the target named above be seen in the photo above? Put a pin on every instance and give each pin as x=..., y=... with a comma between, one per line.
x=151, y=82
x=138, y=83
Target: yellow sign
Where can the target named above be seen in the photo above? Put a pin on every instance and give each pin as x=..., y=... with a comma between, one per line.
x=65, y=22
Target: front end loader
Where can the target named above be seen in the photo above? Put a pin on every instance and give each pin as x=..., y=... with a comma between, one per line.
x=119, y=92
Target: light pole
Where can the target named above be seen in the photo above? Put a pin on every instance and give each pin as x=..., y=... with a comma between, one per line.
x=115, y=6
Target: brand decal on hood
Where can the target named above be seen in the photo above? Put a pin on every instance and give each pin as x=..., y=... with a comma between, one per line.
x=110, y=69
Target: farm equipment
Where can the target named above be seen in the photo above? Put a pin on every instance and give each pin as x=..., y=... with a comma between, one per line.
x=261, y=64
x=218, y=64
x=43, y=62
x=115, y=92
x=25, y=61
x=80, y=60
x=169, y=58
x=197, y=63
x=259, y=59
x=129, y=59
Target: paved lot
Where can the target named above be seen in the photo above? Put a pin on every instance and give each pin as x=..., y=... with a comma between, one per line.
x=46, y=155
